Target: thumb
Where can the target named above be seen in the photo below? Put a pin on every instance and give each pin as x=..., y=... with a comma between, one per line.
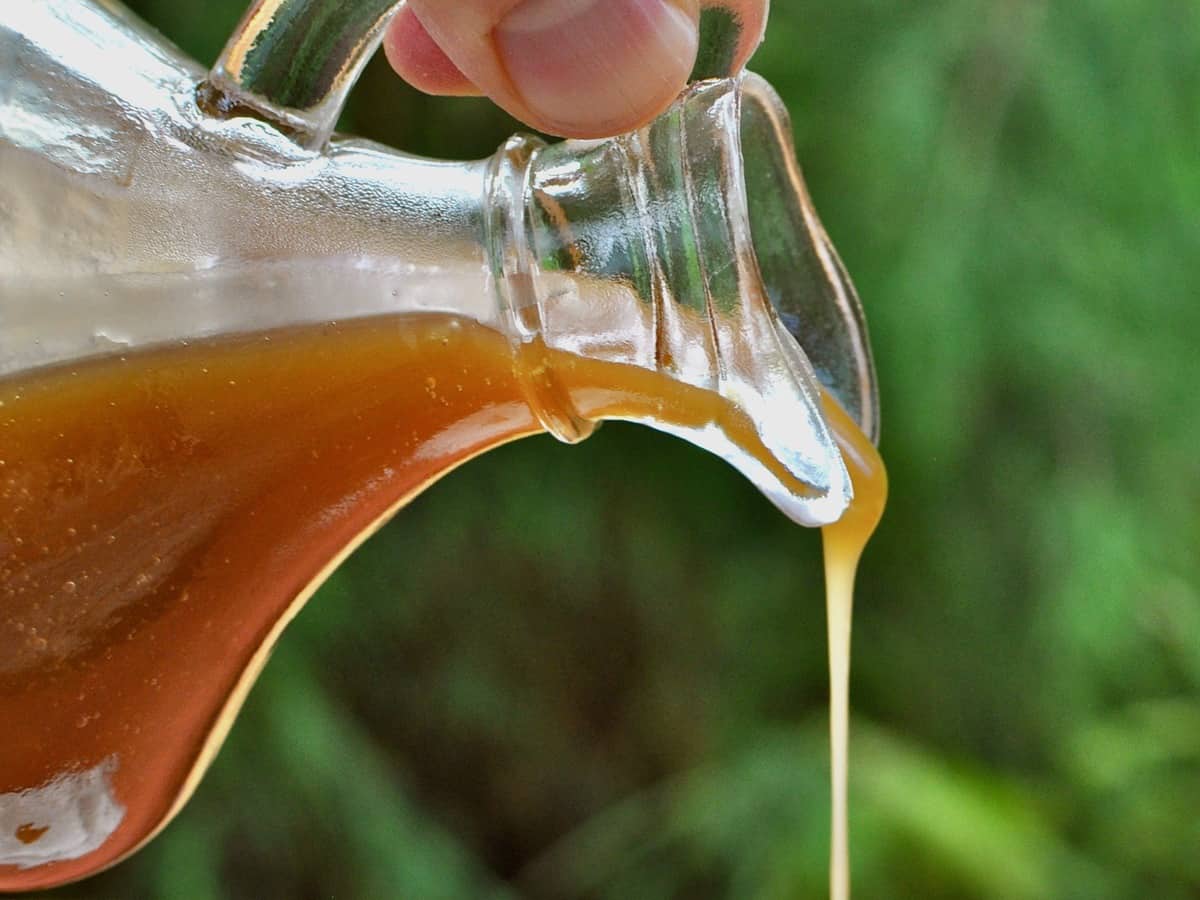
x=582, y=68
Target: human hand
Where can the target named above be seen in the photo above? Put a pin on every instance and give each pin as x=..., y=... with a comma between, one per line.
x=577, y=68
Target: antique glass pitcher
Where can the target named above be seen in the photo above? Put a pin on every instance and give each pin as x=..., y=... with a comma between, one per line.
x=232, y=344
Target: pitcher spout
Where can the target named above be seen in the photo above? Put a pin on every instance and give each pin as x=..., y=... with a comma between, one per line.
x=690, y=248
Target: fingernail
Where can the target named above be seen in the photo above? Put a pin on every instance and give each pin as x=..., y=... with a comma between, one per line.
x=597, y=67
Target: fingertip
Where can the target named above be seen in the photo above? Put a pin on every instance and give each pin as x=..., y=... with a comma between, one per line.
x=591, y=68
x=730, y=32
x=751, y=16
x=418, y=59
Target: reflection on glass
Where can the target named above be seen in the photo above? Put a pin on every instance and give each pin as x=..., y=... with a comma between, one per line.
x=69, y=816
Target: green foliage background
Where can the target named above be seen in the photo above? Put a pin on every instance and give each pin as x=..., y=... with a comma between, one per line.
x=598, y=672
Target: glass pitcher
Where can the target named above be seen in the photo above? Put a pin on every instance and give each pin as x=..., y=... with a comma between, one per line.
x=232, y=344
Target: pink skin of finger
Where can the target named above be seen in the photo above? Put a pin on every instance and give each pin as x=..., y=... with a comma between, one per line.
x=577, y=68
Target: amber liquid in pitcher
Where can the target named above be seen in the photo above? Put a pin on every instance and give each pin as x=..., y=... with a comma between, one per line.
x=164, y=514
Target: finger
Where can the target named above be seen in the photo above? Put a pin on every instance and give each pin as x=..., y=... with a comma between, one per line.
x=581, y=68
x=730, y=32
x=418, y=59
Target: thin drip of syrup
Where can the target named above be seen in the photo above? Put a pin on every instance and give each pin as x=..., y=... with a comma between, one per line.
x=844, y=541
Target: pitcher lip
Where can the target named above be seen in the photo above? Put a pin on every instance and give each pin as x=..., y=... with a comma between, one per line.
x=641, y=249
x=827, y=321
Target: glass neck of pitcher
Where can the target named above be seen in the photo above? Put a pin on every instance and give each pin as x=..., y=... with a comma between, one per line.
x=135, y=217
x=640, y=250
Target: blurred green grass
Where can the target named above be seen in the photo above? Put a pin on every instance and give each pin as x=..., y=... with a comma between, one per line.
x=598, y=671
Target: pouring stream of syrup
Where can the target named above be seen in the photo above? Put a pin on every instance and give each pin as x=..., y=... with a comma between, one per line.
x=163, y=515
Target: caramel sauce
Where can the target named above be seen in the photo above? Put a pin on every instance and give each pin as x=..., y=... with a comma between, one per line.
x=163, y=515
x=26, y=833
x=843, y=542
